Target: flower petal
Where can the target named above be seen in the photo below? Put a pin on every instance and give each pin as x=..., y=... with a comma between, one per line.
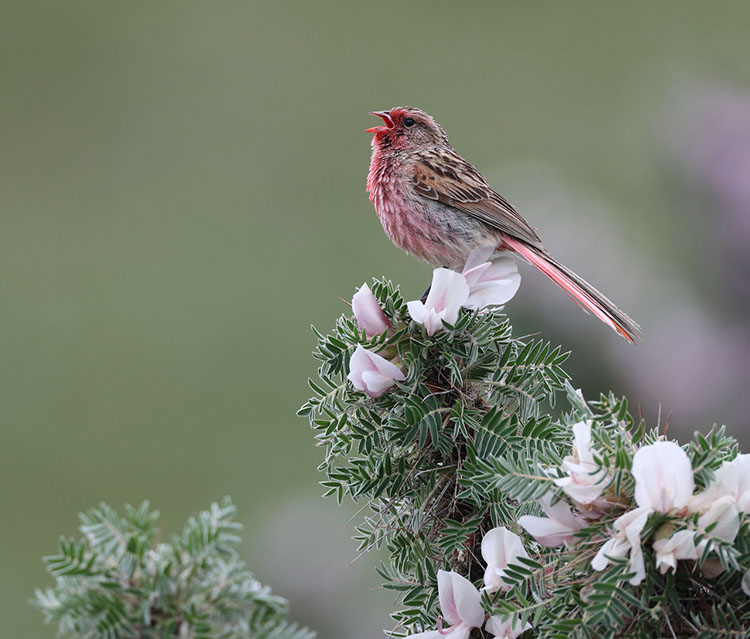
x=428, y=317
x=614, y=548
x=746, y=583
x=459, y=600
x=461, y=631
x=586, y=480
x=733, y=478
x=547, y=532
x=633, y=535
x=370, y=316
x=663, y=477
x=433, y=321
x=431, y=634
x=448, y=293
x=500, y=547
x=417, y=311
x=627, y=538
x=467, y=601
x=371, y=373
x=582, y=443
x=492, y=283
x=508, y=629
x=375, y=383
x=681, y=545
x=480, y=256
x=389, y=369
x=561, y=512
x=557, y=528
x=447, y=597
x=724, y=518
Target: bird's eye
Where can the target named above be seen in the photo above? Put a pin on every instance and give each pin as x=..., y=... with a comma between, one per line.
x=409, y=122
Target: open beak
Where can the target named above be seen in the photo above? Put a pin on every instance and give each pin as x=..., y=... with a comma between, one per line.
x=386, y=119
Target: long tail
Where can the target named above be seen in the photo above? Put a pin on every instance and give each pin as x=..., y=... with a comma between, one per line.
x=585, y=295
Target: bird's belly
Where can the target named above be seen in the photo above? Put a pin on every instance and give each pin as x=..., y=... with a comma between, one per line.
x=432, y=231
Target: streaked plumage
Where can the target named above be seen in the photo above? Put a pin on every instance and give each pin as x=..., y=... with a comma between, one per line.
x=438, y=207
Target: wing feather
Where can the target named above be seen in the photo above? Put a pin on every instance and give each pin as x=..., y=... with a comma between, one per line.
x=448, y=178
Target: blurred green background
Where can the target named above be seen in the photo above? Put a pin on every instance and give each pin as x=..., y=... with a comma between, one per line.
x=183, y=195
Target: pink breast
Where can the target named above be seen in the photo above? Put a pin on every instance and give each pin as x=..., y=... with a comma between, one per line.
x=429, y=230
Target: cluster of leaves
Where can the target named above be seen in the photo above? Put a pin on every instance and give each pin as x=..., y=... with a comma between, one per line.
x=560, y=594
x=465, y=443
x=417, y=454
x=119, y=582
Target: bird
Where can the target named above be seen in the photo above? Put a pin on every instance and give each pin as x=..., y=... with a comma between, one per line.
x=438, y=207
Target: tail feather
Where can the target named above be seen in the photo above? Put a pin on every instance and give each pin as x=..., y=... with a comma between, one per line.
x=585, y=295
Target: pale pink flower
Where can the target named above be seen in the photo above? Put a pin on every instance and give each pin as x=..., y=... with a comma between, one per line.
x=500, y=547
x=492, y=281
x=663, y=477
x=586, y=480
x=509, y=629
x=557, y=528
x=370, y=317
x=668, y=550
x=626, y=540
x=372, y=373
x=461, y=607
x=448, y=293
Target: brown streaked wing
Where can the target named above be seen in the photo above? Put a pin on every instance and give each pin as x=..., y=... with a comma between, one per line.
x=453, y=181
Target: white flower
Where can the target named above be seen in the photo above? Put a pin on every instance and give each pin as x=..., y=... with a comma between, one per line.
x=663, y=477
x=586, y=480
x=557, y=528
x=663, y=483
x=509, y=629
x=721, y=504
x=492, y=281
x=370, y=317
x=484, y=282
x=447, y=295
x=460, y=603
x=681, y=545
x=372, y=373
x=500, y=547
x=733, y=478
x=725, y=519
x=627, y=539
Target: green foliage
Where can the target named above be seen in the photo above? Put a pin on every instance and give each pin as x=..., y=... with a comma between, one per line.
x=119, y=582
x=468, y=442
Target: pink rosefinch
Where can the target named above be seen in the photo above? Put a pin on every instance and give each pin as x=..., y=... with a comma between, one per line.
x=436, y=206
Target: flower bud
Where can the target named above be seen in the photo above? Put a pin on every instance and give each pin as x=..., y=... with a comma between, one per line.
x=370, y=317
x=371, y=373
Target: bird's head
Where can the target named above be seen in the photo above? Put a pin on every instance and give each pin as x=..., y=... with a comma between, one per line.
x=406, y=128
